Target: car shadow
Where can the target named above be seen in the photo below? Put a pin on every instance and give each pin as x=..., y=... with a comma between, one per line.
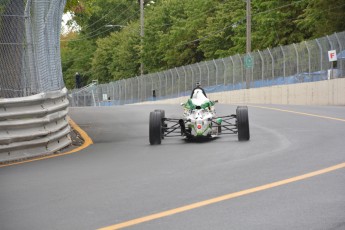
x=200, y=139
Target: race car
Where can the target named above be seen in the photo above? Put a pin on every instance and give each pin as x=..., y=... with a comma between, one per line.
x=199, y=120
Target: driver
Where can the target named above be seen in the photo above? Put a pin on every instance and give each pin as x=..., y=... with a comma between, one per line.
x=198, y=86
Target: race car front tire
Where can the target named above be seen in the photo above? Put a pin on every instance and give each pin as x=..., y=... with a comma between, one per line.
x=242, y=123
x=155, y=129
x=164, y=125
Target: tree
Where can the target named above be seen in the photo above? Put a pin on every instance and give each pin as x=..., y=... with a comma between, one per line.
x=76, y=56
x=274, y=23
x=225, y=30
x=322, y=17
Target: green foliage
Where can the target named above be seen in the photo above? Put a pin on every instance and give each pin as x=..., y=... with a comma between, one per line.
x=225, y=30
x=76, y=57
x=322, y=17
x=274, y=23
x=184, y=32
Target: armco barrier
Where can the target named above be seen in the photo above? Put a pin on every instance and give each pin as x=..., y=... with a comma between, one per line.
x=33, y=125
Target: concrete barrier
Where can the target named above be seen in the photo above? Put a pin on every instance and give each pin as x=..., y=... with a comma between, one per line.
x=329, y=92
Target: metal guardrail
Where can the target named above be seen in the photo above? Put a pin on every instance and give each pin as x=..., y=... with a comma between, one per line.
x=33, y=125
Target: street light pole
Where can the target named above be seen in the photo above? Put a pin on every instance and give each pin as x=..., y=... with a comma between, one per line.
x=141, y=36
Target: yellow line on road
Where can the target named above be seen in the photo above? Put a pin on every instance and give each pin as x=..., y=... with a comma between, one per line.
x=300, y=113
x=221, y=198
x=236, y=194
x=87, y=141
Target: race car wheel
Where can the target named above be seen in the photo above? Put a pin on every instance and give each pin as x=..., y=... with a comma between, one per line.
x=155, y=129
x=161, y=111
x=242, y=123
x=163, y=123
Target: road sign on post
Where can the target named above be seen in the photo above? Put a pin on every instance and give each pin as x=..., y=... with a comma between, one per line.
x=248, y=61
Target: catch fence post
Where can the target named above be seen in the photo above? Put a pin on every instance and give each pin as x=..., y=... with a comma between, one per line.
x=125, y=80
x=320, y=47
x=199, y=72
x=297, y=58
x=269, y=51
x=166, y=84
x=178, y=83
x=233, y=72
x=208, y=74
x=262, y=66
x=172, y=82
x=309, y=64
x=340, y=49
x=185, y=79
x=215, y=64
x=241, y=70
x=284, y=70
x=190, y=66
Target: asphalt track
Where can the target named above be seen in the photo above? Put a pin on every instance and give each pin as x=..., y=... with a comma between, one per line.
x=290, y=175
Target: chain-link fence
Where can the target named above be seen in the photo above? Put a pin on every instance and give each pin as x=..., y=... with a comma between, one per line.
x=29, y=46
x=304, y=62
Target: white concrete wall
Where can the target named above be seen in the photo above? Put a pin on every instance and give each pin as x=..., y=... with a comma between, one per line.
x=330, y=92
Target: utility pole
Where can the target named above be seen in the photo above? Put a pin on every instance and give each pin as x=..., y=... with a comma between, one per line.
x=248, y=40
x=141, y=36
x=249, y=28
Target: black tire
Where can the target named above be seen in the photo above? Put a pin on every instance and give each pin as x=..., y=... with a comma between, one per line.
x=242, y=123
x=161, y=111
x=155, y=129
x=163, y=123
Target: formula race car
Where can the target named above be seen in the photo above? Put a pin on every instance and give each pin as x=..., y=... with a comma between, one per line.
x=199, y=121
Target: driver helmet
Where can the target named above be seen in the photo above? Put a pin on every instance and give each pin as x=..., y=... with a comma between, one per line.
x=198, y=84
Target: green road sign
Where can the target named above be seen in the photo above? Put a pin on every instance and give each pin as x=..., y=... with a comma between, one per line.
x=248, y=61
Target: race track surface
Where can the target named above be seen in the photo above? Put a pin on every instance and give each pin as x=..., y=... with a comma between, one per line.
x=215, y=184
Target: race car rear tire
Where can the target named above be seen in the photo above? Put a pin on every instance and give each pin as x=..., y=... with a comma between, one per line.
x=155, y=129
x=242, y=123
x=163, y=123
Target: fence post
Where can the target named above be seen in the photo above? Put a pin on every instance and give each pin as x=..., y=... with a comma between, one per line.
x=172, y=82
x=125, y=80
x=309, y=68
x=340, y=49
x=224, y=71
x=233, y=73
x=208, y=74
x=178, y=83
x=320, y=47
x=262, y=66
x=239, y=57
x=190, y=66
x=185, y=80
x=131, y=90
x=329, y=41
x=297, y=58
x=199, y=72
x=284, y=70
x=160, y=85
x=215, y=64
x=252, y=80
x=269, y=51
x=166, y=84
